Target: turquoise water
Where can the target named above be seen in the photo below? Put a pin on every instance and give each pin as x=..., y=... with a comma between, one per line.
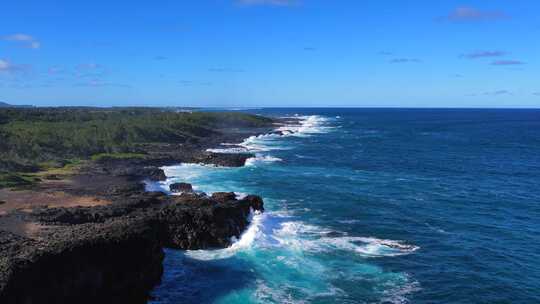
x=376, y=206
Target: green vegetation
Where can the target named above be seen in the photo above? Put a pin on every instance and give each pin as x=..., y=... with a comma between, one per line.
x=106, y=156
x=59, y=169
x=34, y=139
x=8, y=180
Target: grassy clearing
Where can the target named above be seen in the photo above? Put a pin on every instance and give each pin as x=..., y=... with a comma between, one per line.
x=17, y=180
x=71, y=167
x=107, y=156
x=49, y=170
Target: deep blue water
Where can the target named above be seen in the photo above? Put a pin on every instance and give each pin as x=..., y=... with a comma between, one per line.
x=377, y=206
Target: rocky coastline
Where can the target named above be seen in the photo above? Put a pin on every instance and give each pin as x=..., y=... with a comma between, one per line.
x=112, y=251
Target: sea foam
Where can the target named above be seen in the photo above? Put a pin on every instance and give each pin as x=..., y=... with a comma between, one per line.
x=281, y=248
x=253, y=161
x=244, y=243
x=305, y=237
x=303, y=127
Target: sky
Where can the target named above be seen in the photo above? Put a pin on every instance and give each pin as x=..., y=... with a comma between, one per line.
x=271, y=53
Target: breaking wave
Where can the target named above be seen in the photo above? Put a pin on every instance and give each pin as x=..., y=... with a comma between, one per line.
x=280, y=245
x=299, y=126
x=253, y=161
x=290, y=258
x=280, y=232
x=245, y=242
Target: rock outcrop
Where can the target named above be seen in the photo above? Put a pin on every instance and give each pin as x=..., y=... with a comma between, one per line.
x=113, y=253
x=117, y=261
x=181, y=187
x=224, y=197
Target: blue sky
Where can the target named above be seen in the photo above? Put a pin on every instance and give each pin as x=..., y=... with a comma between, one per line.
x=271, y=53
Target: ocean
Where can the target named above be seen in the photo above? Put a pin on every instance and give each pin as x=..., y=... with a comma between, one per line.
x=376, y=206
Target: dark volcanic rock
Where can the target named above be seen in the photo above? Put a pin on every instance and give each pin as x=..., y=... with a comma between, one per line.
x=181, y=187
x=223, y=197
x=136, y=169
x=113, y=253
x=114, y=262
x=255, y=202
x=153, y=173
x=211, y=226
x=225, y=159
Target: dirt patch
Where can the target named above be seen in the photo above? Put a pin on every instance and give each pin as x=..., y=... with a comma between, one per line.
x=28, y=199
x=82, y=190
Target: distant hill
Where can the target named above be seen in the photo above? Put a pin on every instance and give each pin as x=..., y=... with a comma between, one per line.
x=7, y=105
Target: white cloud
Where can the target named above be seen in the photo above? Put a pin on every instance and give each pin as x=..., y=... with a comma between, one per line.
x=8, y=67
x=4, y=65
x=483, y=54
x=24, y=39
x=507, y=62
x=474, y=14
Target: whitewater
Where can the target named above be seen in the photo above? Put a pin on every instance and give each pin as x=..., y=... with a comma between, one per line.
x=292, y=259
x=374, y=206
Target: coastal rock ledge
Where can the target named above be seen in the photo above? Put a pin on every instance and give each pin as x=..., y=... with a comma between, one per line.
x=111, y=253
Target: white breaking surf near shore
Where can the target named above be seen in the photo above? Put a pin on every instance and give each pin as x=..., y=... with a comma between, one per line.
x=276, y=229
x=306, y=126
x=280, y=231
x=282, y=235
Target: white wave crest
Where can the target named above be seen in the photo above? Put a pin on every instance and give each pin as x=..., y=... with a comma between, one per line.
x=302, y=126
x=304, y=237
x=306, y=125
x=262, y=143
x=273, y=230
x=185, y=172
x=245, y=242
x=373, y=247
x=253, y=161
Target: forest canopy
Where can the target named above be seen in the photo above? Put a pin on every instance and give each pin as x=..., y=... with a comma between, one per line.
x=31, y=136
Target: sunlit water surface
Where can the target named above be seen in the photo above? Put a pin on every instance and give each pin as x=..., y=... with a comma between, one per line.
x=376, y=206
